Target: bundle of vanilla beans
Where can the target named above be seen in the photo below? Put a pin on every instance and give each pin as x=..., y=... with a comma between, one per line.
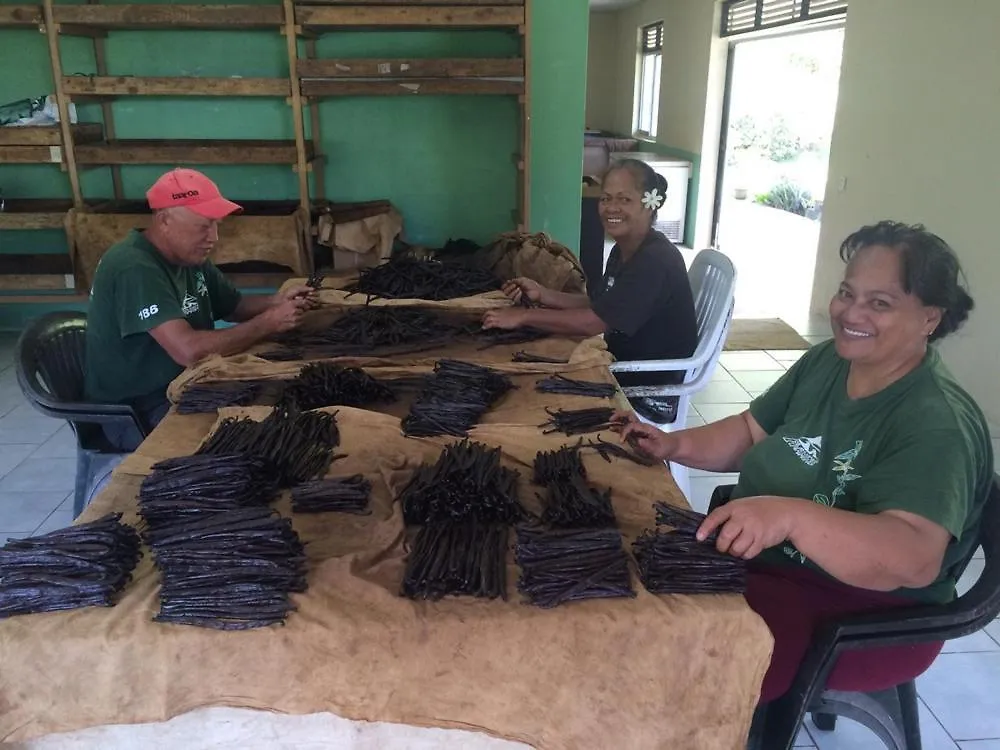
x=675, y=562
x=500, y=337
x=578, y=421
x=570, y=501
x=465, y=503
x=458, y=558
x=559, y=566
x=560, y=384
x=466, y=481
x=321, y=384
x=560, y=465
x=298, y=445
x=523, y=356
x=349, y=495
x=369, y=330
x=227, y=561
x=199, y=398
x=406, y=277
x=453, y=399
x=86, y=565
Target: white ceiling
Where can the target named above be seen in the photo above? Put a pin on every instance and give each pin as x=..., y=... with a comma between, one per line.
x=611, y=4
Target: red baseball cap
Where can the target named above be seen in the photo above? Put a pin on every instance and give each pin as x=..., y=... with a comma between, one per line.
x=191, y=189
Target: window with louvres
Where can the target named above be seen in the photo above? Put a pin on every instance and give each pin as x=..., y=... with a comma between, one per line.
x=745, y=16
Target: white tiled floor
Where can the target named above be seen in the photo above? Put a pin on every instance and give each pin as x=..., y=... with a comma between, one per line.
x=960, y=694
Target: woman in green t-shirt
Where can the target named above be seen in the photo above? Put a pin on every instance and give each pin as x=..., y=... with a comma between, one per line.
x=863, y=470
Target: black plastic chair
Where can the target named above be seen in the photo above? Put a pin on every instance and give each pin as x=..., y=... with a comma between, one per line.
x=50, y=359
x=891, y=714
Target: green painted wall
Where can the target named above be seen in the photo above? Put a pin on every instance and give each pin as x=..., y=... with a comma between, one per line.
x=445, y=162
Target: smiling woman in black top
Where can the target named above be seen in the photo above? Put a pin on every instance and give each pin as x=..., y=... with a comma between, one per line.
x=644, y=308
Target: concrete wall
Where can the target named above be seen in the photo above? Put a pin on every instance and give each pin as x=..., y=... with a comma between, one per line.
x=915, y=139
x=692, y=86
x=602, y=66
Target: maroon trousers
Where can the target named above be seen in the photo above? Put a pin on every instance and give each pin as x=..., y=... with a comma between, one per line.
x=793, y=600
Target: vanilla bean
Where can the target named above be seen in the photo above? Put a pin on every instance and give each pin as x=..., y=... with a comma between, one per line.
x=568, y=386
x=348, y=495
x=413, y=278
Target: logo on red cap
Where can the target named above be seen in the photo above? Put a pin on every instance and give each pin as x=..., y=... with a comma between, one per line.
x=192, y=190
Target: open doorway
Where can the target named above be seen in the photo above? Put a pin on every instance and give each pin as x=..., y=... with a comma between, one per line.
x=781, y=96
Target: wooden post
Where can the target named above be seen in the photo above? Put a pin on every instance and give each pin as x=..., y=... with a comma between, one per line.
x=69, y=156
x=100, y=58
x=291, y=40
x=525, y=101
x=319, y=176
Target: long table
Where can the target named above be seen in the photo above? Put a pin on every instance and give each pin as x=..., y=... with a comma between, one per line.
x=648, y=672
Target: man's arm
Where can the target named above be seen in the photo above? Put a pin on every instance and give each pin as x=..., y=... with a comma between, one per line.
x=252, y=306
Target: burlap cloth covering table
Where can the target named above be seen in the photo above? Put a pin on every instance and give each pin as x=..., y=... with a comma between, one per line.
x=651, y=672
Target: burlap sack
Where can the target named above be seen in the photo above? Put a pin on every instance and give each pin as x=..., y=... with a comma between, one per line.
x=538, y=257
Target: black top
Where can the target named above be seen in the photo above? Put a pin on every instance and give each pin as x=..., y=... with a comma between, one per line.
x=648, y=308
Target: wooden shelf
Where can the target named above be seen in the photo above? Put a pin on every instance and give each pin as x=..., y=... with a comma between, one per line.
x=174, y=86
x=408, y=16
x=30, y=154
x=34, y=213
x=410, y=87
x=512, y=67
x=49, y=135
x=173, y=152
x=138, y=16
x=13, y=16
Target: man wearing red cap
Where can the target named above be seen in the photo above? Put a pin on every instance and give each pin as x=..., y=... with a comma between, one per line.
x=156, y=297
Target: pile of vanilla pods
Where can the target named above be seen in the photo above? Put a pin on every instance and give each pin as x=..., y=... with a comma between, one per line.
x=199, y=398
x=570, y=501
x=465, y=503
x=369, y=330
x=572, y=564
x=560, y=465
x=523, y=356
x=458, y=558
x=675, y=562
x=500, y=337
x=454, y=398
x=578, y=421
x=80, y=566
x=298, y=445
x=467, y=481
x=321, y=384
x=406, y=277
x=562, y=385
x=227, y=561
x=349, y=495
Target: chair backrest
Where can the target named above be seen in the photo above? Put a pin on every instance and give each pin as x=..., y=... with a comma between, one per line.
x=713, y=284
x=978, y=606
x=50, y=360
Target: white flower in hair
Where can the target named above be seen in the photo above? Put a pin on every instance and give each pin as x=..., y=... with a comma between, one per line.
x=652, y=199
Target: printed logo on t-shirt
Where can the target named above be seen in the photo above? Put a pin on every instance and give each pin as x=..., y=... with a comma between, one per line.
x=190, y=305
x=610, y=283
x=200, y=287
x=806, y=448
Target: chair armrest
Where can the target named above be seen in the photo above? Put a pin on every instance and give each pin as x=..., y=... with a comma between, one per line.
x=88, y=413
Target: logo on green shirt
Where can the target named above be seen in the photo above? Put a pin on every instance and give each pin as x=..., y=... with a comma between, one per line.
x=806, y=448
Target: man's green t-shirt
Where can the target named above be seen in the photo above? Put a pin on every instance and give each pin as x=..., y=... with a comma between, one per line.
x=135, y=290
x=922, y=445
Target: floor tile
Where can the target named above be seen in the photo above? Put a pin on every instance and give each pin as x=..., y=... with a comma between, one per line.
x=850, y=735
x=720, y=373
x=41, y=475
x=786, y=355
x=718, y=392
x=979, y=745
x=60, y=518
x=974, y=643
x=61, y=445
x=802, y=739
x=757, y=360
x=694, y=420
x=12, y=455
x=993, y=630
x=24, y=425
x=758, y=380
x=970, y=576
x=961, y=691
x=23, y=512
x=714, y=412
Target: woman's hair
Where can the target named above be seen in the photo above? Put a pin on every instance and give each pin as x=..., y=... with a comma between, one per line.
x=930, y=268
x=646, y=178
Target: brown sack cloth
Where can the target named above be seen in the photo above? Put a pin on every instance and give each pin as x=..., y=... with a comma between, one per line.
x=538, y=257
x=677, y=672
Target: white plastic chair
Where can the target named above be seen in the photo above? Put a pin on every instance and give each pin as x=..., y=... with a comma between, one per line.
x=713, y=283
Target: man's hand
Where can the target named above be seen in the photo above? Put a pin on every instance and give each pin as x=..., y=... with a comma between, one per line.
x=523, y=288
x=645, y=438
x=750, y=525
x=285, y=315
x=507, y=319
x=301, y=292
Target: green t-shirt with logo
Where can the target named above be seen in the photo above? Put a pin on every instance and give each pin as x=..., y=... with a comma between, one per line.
x=922, y=445
x=135, y=290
